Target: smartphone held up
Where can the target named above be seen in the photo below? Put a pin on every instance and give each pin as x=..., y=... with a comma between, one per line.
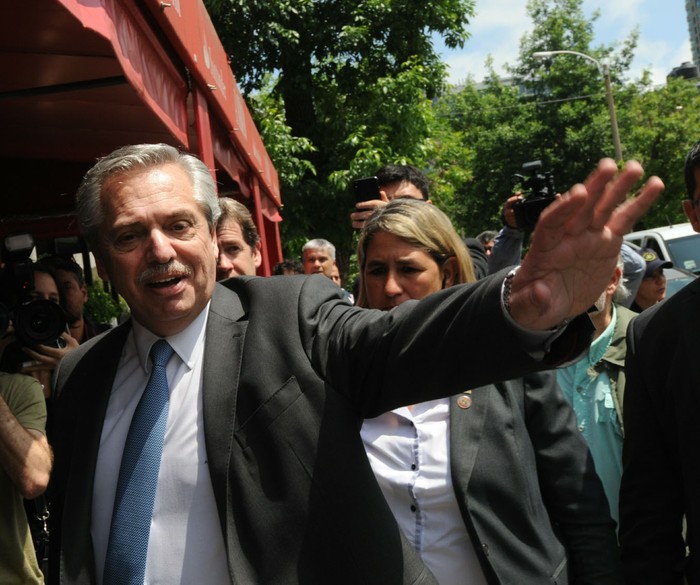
x=366, y=189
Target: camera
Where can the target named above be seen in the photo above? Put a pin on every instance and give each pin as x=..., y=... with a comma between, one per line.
x=35, y=321
x=538, y=191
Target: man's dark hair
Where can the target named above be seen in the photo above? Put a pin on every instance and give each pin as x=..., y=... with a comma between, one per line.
x=290, y=265
x=60, y=263
x=232, y=210
x=692, y=162
x=42, y=266
x=390, y=174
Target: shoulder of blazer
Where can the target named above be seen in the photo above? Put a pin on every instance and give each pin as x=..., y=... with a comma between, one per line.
x=100, y=348
x=235, y=295
x=230, y=298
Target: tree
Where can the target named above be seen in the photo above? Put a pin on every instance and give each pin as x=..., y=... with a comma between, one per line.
x=490, y=124
x=555, y=112
x=354, y=78
x=659, y=127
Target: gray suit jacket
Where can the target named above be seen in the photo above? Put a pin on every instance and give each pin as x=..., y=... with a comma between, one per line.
x=661, y=453
x=290, y=370
x=525, y=481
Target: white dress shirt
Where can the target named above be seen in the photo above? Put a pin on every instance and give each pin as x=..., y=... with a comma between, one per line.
x=186, y=544
x=409, y=450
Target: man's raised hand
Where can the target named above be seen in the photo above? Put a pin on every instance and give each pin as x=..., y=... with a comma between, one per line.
x=576, y=243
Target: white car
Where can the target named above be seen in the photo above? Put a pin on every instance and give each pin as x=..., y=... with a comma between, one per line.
x=678, y=243
x=676, y=279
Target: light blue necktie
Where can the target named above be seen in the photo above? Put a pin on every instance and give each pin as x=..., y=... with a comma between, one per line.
x=125, y=563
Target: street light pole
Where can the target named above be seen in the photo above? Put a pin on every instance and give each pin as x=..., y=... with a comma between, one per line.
x=605, y=72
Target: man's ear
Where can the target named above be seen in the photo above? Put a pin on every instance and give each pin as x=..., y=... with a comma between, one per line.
x=615, y=280
x=449, y=272
x=257, y=255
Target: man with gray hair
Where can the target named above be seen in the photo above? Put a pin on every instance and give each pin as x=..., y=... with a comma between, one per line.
x=318, y=257
x=595, y=385
x=213, y=437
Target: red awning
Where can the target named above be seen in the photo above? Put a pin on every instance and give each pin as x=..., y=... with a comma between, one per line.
x=79, y=78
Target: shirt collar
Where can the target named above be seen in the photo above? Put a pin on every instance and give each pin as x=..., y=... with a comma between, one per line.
x=183, y=343
x=602, y=342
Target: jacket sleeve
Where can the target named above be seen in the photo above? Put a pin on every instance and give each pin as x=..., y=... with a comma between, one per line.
x=571, y=489
x=422, y=350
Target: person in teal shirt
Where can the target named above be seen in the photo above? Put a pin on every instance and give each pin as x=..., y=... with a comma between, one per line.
x=594, y=385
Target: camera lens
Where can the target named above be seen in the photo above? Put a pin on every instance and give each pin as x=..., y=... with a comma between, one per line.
x=39, y=322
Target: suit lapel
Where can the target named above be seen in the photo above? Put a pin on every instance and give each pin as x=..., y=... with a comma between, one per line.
x=223, y=352
x=90, y=384
x=466, y=426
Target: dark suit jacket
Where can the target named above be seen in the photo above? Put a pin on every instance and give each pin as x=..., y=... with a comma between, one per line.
x=525, y=481
x=661, y=452
x=290, y=370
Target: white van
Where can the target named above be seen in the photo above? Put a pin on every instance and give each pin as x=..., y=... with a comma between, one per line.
x=678, y=243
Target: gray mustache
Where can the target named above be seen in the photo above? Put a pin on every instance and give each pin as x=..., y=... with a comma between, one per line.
x=172, y=269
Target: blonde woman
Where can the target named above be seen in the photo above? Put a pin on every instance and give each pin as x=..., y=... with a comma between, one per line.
x=495, y=485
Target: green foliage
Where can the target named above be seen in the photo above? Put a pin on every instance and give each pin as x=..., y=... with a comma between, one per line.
x=286, y=151
x=101, y=307
x=344, y=87
x=339, y=88
x=555, y=112
x=659, y=127
x=349, y=42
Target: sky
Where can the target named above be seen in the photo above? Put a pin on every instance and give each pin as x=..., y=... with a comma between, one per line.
x=498, y=26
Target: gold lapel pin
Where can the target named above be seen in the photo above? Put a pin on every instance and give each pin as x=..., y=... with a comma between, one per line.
x=465, y=401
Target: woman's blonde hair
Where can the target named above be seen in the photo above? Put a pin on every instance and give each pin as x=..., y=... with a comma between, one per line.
x=419, y=224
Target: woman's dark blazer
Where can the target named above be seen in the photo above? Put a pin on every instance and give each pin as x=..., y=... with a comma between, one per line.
x=527, y=488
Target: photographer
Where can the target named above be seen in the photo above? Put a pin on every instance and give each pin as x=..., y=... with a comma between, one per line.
x=392, y=182
x=38, y=339
x=75, y=291
x=508, y=243
x=520, y=214
x=45, y=357
x=25, y=460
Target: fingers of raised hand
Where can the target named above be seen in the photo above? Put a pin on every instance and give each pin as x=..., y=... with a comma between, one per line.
x=575, y=207
x=600, y=190
x=624, y=217
x=557, y=216
x=614, y=193
x=600, y=200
